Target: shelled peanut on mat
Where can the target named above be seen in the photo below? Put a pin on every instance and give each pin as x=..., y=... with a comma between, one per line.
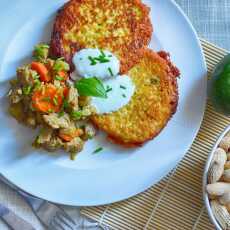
x=218, y=187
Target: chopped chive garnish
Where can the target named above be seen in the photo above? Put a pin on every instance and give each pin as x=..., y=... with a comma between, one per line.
x=102, y=53
x=55, y=101
x=123, y=95
x=93, y=61
x=97, y=150
x=122, y=87
x=100, y=59
x=59, y=78
x=104, y=60
x=108, y=90
x=110, y=71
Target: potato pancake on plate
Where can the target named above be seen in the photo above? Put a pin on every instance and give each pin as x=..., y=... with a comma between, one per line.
x=152, y=105
x=120, y=26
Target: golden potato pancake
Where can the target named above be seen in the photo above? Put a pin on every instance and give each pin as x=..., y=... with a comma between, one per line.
x=152, y=105
x=120, y=26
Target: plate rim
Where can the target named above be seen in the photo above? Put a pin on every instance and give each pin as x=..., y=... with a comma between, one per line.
x=195, y=133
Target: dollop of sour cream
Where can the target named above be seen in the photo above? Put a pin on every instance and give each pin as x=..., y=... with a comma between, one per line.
x=105, y=66
x=96, y=63
x=119, y=89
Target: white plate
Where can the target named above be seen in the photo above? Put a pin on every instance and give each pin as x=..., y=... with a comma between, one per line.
x=116, y=173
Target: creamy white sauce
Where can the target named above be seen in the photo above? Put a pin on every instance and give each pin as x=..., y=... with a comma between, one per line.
x=104, y=66
x=119, y=95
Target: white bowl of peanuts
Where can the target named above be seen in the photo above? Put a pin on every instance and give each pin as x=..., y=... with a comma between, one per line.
x=216, y=182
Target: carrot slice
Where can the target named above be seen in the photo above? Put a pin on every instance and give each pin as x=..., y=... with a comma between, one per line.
x=65, y=91
x=65, y=137
x=70, y=136
x=63, y=75
x=41, y=69
x=48, y=99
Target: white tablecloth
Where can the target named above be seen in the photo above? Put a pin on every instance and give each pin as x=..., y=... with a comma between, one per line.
x=211, y=19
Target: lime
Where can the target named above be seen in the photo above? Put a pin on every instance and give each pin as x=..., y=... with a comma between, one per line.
x=220, y=86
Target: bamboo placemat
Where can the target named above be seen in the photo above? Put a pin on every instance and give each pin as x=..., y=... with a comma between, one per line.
x=176, y=201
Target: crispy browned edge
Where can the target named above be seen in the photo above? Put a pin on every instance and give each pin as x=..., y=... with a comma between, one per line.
x=173, y=72
x=65, y=20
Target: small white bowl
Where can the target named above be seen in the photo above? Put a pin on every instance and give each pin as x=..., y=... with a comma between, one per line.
x=205, y=180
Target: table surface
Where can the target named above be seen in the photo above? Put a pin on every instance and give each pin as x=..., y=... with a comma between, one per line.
x=211, y=19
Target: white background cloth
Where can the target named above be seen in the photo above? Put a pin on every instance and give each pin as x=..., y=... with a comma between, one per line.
x=211, y=19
